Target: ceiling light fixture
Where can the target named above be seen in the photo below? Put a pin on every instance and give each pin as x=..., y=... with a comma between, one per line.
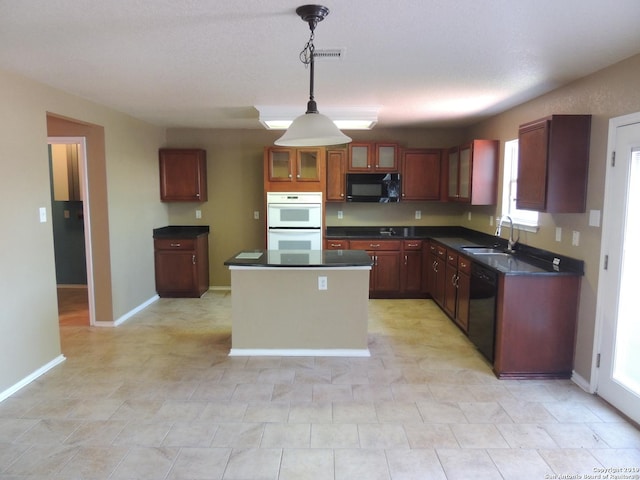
x=278, y=117
x=312, y=129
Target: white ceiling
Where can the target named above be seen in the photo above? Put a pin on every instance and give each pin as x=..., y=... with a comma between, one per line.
x=198, y=63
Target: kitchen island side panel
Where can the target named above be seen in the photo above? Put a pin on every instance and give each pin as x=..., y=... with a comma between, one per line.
x=282, y=309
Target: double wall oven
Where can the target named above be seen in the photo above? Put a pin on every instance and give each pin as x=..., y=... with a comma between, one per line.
x=294, y=220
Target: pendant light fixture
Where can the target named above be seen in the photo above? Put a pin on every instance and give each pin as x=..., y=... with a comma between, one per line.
x=312, y=129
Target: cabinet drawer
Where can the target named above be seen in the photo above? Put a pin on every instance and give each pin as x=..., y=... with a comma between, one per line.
x=174, y=243
x=464, y=265
x=412, y=245
x=375, y=244
x=441, y=251
x=332, y=244
x=452, y=257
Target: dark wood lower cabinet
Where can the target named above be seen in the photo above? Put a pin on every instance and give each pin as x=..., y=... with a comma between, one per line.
x=536, y=326
x=182, y=266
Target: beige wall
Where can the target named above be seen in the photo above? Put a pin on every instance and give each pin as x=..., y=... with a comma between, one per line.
x=126, y=199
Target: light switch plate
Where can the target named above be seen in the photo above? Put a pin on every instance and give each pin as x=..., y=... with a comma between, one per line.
x=43, y=214
x=198, y=213
x=418, y=214
x=256, y=215
x=340, y=214
x=558, y=234
x=594, y=218
x=575, y=239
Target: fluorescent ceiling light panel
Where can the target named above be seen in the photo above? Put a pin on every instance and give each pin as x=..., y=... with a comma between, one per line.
x=346, y=118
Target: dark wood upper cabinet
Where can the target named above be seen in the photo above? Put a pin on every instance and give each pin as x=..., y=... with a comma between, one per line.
x=553, y=162
x=420, y=170
x=473, y=173
x=336, y=180
x=183, y=175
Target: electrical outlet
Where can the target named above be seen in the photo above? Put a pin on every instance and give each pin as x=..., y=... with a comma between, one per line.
x=418, y=214
x=340, y=214
x=198, y=213
x=469, y=216
x=575, y=239
x=558, y=234
x=322, y=283
x=256, y=215
x=491, y=220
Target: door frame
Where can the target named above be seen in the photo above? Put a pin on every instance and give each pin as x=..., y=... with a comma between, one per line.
x=84, y=187
x=614, y=124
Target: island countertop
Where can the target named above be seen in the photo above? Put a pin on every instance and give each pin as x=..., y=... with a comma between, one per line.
x=300, y=259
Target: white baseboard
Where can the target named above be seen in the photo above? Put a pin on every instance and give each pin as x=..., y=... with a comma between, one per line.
x=299, y=352
x=127, y=315
x=581, y=382
x=30, y=378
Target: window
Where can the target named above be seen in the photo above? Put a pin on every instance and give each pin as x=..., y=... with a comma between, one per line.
x=524, y=219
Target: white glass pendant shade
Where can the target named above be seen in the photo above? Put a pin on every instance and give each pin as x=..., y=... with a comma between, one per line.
x=312, y=130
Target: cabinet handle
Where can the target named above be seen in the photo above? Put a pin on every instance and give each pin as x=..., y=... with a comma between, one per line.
x=405, y=260
x=453, y=280
x=374, y=245
x=290, y=176
x=335, y=245
x=463, y=265
x=298, y=176
x=193, y=259
x=175, y=244
x=412, y=245
x=342, y=194
x=435, y=266
x=375, y=260
x=197, y=195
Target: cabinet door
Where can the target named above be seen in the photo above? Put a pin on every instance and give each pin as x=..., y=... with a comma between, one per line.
x=421, y=174
x=183, y=175
x=450, y=289
x=386, y=274
x=386, y=157
x=280, y=164
x=533, y=143
x=336, y=189
x=438, y=282
x=464, y=173
x=453, y=174
x=412, y=271
x=308, y=165
x=176, y=273
x=360, y=157
x=462, y=303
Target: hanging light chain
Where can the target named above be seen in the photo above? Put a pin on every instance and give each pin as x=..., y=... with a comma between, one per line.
x=307, y=52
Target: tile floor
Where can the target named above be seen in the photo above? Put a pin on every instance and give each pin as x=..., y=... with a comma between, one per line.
x=158, y=398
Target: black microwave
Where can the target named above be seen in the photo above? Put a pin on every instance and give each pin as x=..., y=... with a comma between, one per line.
x=373, y=187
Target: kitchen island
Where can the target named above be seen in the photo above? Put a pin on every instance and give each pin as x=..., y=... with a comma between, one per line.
x=299, y=302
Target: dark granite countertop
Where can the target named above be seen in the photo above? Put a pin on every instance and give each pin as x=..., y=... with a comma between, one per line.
x=300, y=258
x=526, y=261
x=181, y=231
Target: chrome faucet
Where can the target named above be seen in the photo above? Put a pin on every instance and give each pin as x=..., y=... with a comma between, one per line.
x=511, y=243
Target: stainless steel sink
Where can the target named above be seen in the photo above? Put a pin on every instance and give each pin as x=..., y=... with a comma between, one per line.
x=485, y=251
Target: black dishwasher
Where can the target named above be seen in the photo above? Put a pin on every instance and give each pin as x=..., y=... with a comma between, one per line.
x=482, y=309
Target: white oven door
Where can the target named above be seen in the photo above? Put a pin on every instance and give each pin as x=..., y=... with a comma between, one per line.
x=301, y=215
x=299, y=239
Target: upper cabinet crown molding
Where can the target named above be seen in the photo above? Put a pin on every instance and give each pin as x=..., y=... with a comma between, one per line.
x=553, y=162
x=183, y=175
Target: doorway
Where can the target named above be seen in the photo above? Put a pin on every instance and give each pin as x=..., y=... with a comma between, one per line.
x=70, y=219
x=618, y=375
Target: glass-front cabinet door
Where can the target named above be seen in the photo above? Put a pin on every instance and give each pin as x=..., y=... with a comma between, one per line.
x=386, y=158
x=281, y=164
x=464, y=184
x=308, y=165
x=359, y=157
